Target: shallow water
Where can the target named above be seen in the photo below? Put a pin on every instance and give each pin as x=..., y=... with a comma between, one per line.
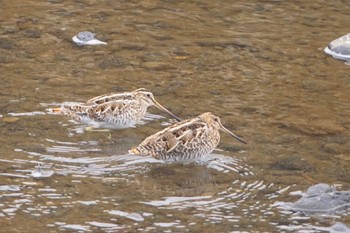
x=259, y=65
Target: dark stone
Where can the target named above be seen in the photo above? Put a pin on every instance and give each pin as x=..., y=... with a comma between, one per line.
x=333, y=148
x=55, y=1
x=292, y=162
x=133, y=47
x=322, y=198
x=157, y=66
x=113, y=62
x=6, y=44
x=32, y=33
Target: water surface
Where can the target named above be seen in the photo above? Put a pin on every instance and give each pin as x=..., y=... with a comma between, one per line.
x=259, y=65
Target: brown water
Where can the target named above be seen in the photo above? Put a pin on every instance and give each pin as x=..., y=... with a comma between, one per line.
x=259, y=65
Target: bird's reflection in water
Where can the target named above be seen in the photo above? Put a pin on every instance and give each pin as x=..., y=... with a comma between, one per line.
x=182, y=180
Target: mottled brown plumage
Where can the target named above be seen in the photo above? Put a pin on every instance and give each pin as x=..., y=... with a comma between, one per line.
x=185, y=141
x=115, y=110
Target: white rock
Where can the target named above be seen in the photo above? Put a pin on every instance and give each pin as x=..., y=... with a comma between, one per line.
x=86, y=38
x=339, y=48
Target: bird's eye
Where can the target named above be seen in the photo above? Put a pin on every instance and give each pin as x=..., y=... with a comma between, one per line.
x=148, y=95
x=216, y=119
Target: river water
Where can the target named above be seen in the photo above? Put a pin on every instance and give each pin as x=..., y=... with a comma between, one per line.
x=259, y=65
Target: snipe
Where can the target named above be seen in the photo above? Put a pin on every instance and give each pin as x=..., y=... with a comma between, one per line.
x=185, y=141
x=116, y=110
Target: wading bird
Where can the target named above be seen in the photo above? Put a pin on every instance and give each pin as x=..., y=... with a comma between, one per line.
x=116, y=110
x=185, y=141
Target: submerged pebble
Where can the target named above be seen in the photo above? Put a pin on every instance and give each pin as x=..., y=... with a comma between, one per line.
x=322, y=198
x=339, y=48
x=13, y=188
x=40, y=173
x=86, y=38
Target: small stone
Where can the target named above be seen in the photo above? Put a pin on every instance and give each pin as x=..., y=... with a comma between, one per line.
x=32, y=33
x=87, y=38
x=55, y=1
x=339, y=48
x=333, y=148
x=135, y=47
x=113, y=62
x=10, y=119
x=9, y=28
x=343, y=157
x=156, y=65
x=6, y=44
x=292, y=162
x=313, y=127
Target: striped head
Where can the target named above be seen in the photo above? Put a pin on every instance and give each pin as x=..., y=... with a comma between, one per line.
x=148, y=99
x=213, y=121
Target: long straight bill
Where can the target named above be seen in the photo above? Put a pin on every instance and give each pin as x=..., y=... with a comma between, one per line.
x=233, y=135
x=165, y=110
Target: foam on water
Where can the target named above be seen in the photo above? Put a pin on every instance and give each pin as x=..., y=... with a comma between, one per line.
x=76, y=161
x=225, y=206
x=61, y=160
x=133, y=216
x=26, y=113
x=13, y=188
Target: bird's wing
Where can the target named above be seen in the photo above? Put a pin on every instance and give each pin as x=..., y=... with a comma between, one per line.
x=108, y=110
x=180, y=133
x=110, y=97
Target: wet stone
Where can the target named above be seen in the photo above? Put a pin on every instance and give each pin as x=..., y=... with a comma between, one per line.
x=5, y=59
x=114, y=62
x=287, y=138
x=322, y=198
x=339, y=172
x=162, y=38
x=223, y=44
x=316, y=127
x=178, y=51
x=6, y=44
x=101, y=16
x=25, y=23
x=10, y=28
x=86, y=59
x=133, y=47
x=339, y=48
x=293, y=163
x=152, y=57
x=10, y=119
x=24, y=54
x=162, y=24
x=63, y=12
x=333, y=148
x=338, y=227
x=343, y=157
x=33, y=33
x=57, y=33
x=61, y=57
x=55, y=1
x=156, y=65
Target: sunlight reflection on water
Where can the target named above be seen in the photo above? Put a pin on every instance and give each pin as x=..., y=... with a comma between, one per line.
x=259, y=65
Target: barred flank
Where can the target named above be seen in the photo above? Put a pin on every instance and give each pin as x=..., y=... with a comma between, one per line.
x=134, y=151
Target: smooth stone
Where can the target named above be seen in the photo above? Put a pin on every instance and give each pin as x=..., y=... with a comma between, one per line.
x=10, y=119
x=292, y=162
x=87, y=38
x=156, y=65
x=315, y=127
x=322, y=198
x=333, y=148
x=339, y=48
x=32, y=33
x=6, y=44
x=113, y=62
